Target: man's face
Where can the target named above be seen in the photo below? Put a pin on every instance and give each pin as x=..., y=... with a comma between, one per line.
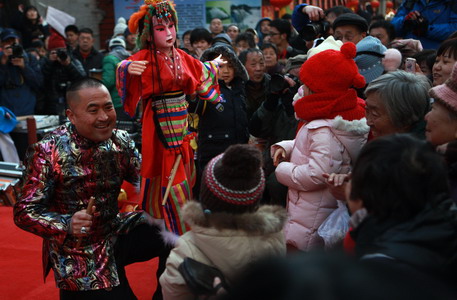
x=377, y=116
x=233, y=32
x=72, y=38
x=164, y=35
x=216, y=26
x=381, y=34
x=255, y=65
x=85, y=41
x=6, y=45
x=276, y=37
x=93, y=114
x=202, y=45
x=348, y=33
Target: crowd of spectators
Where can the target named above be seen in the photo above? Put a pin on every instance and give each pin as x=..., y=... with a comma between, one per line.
x=342, y=105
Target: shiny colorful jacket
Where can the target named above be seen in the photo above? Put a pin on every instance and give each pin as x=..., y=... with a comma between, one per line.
x=63, y=171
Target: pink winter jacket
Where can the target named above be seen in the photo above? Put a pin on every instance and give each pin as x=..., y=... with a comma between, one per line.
x=321, y=146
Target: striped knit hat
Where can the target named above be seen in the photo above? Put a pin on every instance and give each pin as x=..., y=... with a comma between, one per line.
x=233, y=182
x=447, y=92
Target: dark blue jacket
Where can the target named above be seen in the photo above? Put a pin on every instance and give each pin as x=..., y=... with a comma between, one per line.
x=18, y=86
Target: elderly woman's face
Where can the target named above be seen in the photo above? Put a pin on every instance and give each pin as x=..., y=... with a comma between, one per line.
x=377, y=117
x=441, y=128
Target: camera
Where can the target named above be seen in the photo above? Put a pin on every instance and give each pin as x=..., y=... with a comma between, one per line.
x=418, y=23
x=312, y=30
x=278, y=83
x=18, y=51
x=62, y=54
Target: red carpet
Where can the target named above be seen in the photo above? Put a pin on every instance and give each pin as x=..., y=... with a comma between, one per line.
x=21, y=270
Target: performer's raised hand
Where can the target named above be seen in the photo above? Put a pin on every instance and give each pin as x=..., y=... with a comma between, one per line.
x=219, y=60
x=137, y=67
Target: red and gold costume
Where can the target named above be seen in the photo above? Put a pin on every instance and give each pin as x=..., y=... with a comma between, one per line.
x=162, y=88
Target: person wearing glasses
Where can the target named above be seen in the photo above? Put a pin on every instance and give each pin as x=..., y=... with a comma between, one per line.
x=279, y=33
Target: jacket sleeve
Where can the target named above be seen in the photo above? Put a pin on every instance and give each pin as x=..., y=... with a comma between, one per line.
x=32, y=73
x=75, y=69
x=33, y=211
x=287, y=145
x=173, y=284
x=308, y=176
x=132, y=160
x=263, y=121
x=398, y=20
x=109, y=73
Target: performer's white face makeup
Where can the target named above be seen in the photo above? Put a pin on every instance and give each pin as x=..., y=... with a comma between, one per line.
x=164, y=34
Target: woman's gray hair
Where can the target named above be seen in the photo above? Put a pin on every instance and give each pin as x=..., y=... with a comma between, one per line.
x=405, y=96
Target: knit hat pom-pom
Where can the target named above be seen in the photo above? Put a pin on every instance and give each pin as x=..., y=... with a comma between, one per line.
x=359, y=81
x=349, y=50
x=241, y=161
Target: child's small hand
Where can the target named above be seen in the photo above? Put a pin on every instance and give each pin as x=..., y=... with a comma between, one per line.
x=337, y=184
x=279, y=156
x=137, y=67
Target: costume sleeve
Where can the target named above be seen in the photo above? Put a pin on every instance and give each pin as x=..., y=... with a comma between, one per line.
x=208, y=89
x=33, y=210
x=128, y=87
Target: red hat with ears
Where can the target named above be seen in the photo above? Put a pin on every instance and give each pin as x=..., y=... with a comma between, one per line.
x=332, y=70
x=329, y=75
x=56, y=40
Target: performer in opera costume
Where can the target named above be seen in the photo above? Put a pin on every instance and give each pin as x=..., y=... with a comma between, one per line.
x=160, y=75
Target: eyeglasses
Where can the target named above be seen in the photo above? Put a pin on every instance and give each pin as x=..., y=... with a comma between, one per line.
x=273, y=33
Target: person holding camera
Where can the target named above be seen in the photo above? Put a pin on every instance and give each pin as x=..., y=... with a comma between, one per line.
x=60, y=69
x=275, y=121
x=20, y=75
x=429, y=21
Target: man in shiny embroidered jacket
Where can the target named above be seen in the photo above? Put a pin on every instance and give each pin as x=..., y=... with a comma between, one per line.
x=79, y=160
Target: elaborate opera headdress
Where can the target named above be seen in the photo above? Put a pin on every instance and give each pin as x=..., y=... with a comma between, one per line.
x=141, y=22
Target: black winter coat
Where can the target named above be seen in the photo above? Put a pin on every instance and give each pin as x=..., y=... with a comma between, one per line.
x=224, y=124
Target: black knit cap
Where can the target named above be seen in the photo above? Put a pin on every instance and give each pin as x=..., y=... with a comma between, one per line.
x=233, y=182
x=351, y=19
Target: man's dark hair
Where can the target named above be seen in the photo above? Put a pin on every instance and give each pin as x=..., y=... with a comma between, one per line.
x=72, y=28
x=77, y=85
x=243, y=57
x=283, y=26
x=87, y=30
x=270, y=45
x=199, y=34
x=247, y=37
x=188, y=32
x=338, y=10
x=396, y=176
x=389, y=27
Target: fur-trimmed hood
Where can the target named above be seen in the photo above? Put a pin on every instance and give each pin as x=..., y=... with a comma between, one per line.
x=266, y=220
x=240, y=70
